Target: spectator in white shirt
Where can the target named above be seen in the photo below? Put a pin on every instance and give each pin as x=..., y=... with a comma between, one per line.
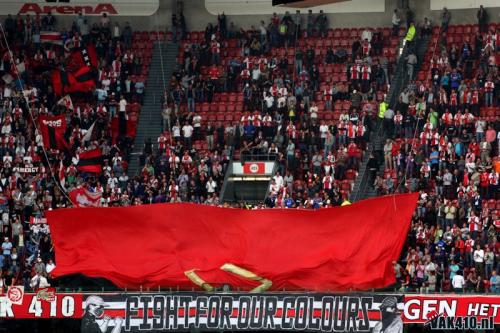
x=479, y=259
x=50, y=266
x=123, y=104
x=273, y=188
x=211, y=186
x=197, y=126
x=176, y=131
x=187, y=133
x=458, y=282
x=278, y=179
x=39, y=281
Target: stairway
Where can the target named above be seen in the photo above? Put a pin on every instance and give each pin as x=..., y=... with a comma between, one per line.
x=150, y=121
x=363, y=189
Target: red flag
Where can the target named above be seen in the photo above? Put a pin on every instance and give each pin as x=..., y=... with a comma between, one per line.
x=90, y=161
x=163, y=245
x=254, y=168
x=83, y=198
x=51, y=37
x=53, y=128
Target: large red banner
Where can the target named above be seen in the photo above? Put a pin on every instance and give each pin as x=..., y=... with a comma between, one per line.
x=185, y=245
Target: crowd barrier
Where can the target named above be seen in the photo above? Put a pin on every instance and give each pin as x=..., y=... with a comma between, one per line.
x=180, y=311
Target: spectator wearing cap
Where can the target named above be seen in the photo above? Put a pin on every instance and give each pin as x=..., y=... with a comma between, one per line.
x=6, y=248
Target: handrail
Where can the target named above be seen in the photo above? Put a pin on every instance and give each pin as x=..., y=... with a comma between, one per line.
x=256, y=157
x=229, y=170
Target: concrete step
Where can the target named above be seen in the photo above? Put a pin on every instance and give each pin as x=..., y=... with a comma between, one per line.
x=162, y=65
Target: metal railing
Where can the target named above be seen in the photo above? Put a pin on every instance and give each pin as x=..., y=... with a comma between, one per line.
x=394, y=289
x=255, y=157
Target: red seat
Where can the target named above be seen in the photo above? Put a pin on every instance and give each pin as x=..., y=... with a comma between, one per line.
x=205, y=107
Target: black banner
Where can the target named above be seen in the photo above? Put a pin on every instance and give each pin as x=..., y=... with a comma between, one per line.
x=26, y=168
x=191, y=311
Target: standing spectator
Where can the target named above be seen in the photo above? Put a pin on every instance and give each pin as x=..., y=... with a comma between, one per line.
x=396, y=22
x=322, y=23
x=6, y=248
x=187, y=133
x=445, y=19
x=458, y=282
x=494, y=282
x=489, y=260
x=173, y=27
x=388, y=154
x=410, y=35
x=426, y=27
x=489, y=88
x=310, y=23
x=479, y=259
x=411, y=63
x=126, y=35
x=482, y=19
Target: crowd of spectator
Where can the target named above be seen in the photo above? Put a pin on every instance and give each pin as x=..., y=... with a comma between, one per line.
x=279, y=96
x=30, y=172
x=443, y=141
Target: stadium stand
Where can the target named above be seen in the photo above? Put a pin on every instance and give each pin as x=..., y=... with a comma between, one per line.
x=310, y=98
x=444, y=144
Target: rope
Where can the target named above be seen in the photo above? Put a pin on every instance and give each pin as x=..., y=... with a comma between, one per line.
x=413, y=140
x=163, y=74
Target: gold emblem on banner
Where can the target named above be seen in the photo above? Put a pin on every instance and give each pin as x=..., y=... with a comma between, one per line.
x=265, y=284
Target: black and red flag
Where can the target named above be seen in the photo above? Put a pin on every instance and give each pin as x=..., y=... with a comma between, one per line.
x=52, y=129
x=59, y=81
x=84, y=56
x=83, y=80
x=90, y=161
x=121, y=127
